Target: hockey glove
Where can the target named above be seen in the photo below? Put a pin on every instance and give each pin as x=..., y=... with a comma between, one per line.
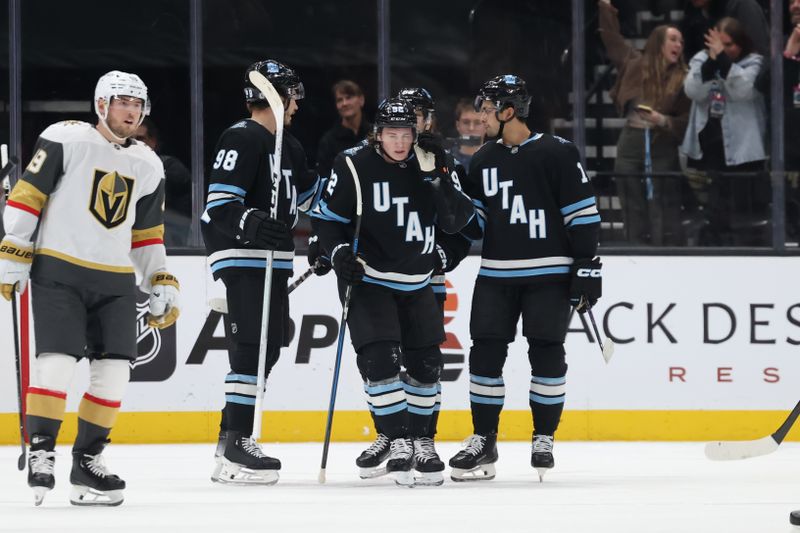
x=320, y=263
x=348, y=268
x=432, y=156
x=16, y=257
x=440, y=260
x=586, y=285
x=164, y=308
x=261, y=231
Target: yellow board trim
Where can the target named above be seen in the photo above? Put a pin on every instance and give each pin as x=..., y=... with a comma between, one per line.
x=84, y=264
x=349, y=426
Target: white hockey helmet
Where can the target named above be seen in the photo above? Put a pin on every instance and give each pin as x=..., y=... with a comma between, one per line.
x=117, y=83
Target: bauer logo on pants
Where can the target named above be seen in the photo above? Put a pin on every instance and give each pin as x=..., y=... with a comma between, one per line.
x=157, y=358
x=111, y=195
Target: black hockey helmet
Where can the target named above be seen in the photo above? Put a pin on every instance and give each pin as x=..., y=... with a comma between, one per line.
x=422, y=100
x=395, y=113
x=284, y=79
x=504, y=91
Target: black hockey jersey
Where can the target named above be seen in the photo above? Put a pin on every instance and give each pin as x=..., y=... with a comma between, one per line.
x=536, y=209
x=398, y=222
x=240, y=180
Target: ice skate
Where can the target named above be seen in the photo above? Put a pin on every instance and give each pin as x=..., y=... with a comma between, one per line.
x=41, y=462
x=401, y=461
x=92, y=483
x=427, y=465
x=542, y=454
x=476, y=461
x=371, y=460
x=244, y=463
x=221, y=441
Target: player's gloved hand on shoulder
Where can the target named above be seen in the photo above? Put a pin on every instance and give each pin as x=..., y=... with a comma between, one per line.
x=432, y=156
x=586, y=284
x=261, y=231
x=347, y=266
x=16, y=258
x=320, y=263
x=164, y=306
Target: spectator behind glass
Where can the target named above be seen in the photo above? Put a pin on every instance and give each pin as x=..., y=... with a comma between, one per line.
x=349, y=131
x=727, y=128
x=699, y=16
x=791, y=124
x=178, y=188
x=471, y=132
x=652, y=78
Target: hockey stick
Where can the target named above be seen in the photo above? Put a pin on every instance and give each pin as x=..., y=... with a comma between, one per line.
x=302, y=277
x=745, y=449
x=276, y=104
x=607, y=348
x=220, y=305
x=8, y=166
x=340, y=343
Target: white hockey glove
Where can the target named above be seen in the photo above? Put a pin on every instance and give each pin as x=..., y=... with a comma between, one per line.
x=164, y=307
x=16, y=258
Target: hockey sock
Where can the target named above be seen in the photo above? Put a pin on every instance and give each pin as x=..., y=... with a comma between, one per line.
x=47, y=397
x=434, y=421
x=100, y=405
x=240, y=401
x=421, y=399
x=486, y=397
x=547, y=403
x=387, y=401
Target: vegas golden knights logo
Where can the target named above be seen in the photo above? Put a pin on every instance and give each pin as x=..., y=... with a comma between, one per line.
x=111, y=196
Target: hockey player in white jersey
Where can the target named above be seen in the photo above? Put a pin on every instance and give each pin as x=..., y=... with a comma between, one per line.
x=93, y=198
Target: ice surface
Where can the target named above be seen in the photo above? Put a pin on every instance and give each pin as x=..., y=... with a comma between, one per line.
x=595, y=487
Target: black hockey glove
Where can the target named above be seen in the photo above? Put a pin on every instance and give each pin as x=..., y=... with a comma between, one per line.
x=434, y=144
x=261, y=231
x=321, y=264
x=586, y=285
x=440, y=260
x=347, y=267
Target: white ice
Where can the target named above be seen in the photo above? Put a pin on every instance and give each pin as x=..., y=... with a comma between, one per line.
x=595, y=487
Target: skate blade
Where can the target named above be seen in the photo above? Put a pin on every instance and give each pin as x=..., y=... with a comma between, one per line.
x=372, y=473
x=231, y=474
x=541, y=471
x=428, y=479
x=404, y=478
x=85, y=496
x=38, y=495
x=479, y=473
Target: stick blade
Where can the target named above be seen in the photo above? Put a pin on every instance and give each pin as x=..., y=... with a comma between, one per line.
x=608, y=349
x=21, y=462
x=740, y=449
x=321, y=477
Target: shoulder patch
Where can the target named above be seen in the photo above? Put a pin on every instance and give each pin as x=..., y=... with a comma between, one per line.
x=562, y=140
x=240, y=124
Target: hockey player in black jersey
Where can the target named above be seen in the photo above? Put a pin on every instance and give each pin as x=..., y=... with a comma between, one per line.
x=449, y=251
x=405, y=193
x=539, y=219
x=238, y=230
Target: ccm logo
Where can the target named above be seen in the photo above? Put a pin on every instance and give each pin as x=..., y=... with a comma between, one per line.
x=588, y=273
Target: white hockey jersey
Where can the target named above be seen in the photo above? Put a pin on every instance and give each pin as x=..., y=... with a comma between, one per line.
x=98, y=207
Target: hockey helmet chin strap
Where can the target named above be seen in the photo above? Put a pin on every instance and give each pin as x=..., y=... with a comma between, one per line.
x=503, y=122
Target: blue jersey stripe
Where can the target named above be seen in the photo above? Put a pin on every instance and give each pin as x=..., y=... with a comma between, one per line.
x=544, y=271
x=222, y=187
x=577, y=205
